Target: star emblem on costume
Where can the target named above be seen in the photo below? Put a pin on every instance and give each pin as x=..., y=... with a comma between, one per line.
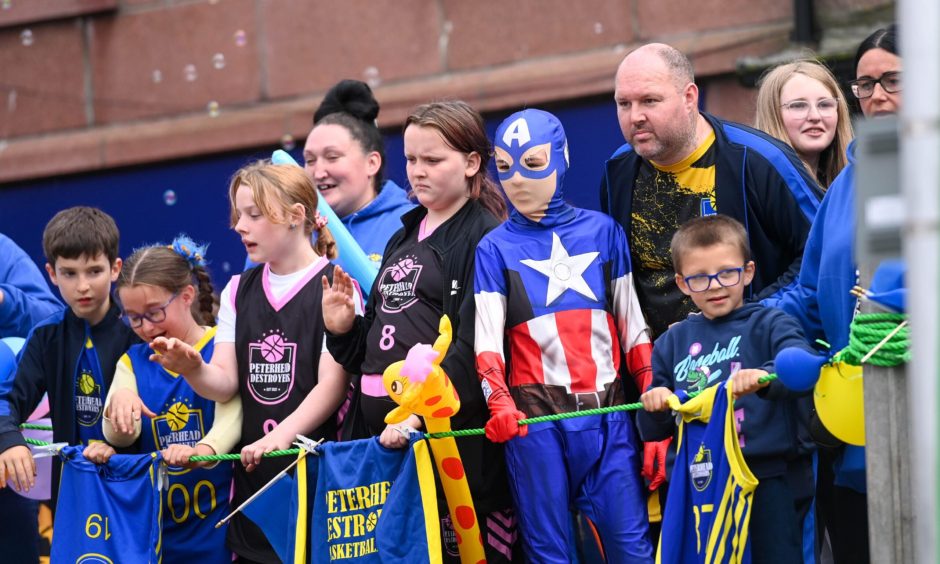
x=564, y=272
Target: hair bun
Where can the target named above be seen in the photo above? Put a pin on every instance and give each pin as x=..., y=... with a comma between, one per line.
x=353, y=97
x=194, y=253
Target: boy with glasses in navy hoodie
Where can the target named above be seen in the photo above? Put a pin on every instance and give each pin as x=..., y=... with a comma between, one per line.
x=736, y=340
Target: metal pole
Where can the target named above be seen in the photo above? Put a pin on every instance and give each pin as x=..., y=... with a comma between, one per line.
x=919, y=25
x=887, y=414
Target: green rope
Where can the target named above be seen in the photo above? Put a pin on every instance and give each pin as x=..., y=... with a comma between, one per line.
x=215, y=457
x=35, y=427
x=570, y=415
x=867, y=331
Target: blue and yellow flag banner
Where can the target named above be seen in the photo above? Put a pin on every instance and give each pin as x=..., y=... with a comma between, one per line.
x=108, y=513
x=354, y=502
x=409, y=530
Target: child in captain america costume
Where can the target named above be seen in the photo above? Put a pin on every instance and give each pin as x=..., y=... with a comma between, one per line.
x=554, y=283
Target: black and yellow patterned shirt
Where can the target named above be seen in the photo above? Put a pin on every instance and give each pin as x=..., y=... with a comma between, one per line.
x=664, y=198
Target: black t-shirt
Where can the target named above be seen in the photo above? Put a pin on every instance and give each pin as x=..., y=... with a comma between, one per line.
x=664, y=198
x=408, y=310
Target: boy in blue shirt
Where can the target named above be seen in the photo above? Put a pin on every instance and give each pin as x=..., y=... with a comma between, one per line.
x=736, y=340
x=72, y=354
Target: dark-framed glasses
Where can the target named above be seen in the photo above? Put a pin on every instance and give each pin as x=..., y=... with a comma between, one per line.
x=826, y=107
x=865, y=87
x=155, y=315
x=725, y=278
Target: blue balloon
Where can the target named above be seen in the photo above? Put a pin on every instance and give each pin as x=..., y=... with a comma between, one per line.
x=351, y=256
x=798, y=368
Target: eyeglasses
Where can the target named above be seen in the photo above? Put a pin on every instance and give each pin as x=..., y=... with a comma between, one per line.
x=827, y=107
x=865, y=87
x=726, y=278
x=156, y=315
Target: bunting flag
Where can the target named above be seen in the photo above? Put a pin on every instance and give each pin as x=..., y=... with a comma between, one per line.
x=108, y=513
x=354, y=501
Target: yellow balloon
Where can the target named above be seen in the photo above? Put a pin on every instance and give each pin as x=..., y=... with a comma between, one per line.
x=840, y=402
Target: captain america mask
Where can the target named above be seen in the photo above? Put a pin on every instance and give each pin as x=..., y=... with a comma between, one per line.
x=531, y=159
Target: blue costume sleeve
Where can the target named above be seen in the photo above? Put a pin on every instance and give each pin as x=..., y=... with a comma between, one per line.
x=27, y=299
x=21, y=392
x=784, y=332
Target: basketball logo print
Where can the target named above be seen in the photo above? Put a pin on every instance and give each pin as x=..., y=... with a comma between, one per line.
x=398, y=283
x=87, y=399
x=86, y=383
x=371, y=521
x=272, y=348
x=271, y=368
x=400, y=270
x=177, y=416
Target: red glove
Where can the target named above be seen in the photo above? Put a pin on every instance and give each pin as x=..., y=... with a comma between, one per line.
x=654, y=462
x=504, y=425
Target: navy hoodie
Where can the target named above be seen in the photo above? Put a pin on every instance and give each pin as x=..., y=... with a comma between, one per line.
x=700, y=352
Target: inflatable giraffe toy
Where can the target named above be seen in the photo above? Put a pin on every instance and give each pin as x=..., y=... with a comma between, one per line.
x=419, y=385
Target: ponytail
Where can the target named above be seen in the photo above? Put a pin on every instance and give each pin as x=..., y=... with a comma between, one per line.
x=206, y=304
x=326, y=244
x=489, y=196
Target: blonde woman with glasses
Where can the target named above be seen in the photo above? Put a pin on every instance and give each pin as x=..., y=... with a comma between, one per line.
x=801, y=104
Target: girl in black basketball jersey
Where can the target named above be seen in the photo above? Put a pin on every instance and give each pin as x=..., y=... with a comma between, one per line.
x=269, y=348
x=427, y=271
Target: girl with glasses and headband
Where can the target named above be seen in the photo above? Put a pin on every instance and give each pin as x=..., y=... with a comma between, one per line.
x=165, y=291
x=822, y=303
x=801, y=104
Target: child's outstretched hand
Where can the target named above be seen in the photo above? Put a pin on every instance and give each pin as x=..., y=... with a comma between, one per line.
x=747, y=381
x=124, y=411
x=17, y=464
x=395, y=436
x=98, y=452
x=178, y=455
x=655, y=399
x=252, y=454
x=339, y=310
x=175, y=355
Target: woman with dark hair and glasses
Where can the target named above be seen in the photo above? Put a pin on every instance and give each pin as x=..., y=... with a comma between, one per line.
x=824, y=306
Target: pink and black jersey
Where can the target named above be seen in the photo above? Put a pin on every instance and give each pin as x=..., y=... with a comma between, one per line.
x=409, y=304
x=278, y=343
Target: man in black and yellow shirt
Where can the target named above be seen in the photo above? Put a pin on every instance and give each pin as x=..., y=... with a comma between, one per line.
x=664, y=198
x=680, y=163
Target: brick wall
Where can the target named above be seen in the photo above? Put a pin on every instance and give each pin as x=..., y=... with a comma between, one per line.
x=89, y=84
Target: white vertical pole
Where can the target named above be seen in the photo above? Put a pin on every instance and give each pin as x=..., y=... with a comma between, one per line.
x=919, y=27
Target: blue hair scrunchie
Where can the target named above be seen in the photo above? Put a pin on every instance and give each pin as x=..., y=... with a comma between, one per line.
x=194, y=253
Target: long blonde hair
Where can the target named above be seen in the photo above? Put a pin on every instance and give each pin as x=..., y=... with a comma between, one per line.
x=769, y=118
x=275, y=189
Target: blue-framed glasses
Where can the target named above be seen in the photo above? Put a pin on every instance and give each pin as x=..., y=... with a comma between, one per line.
x=155, y=315
x=725, y=278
